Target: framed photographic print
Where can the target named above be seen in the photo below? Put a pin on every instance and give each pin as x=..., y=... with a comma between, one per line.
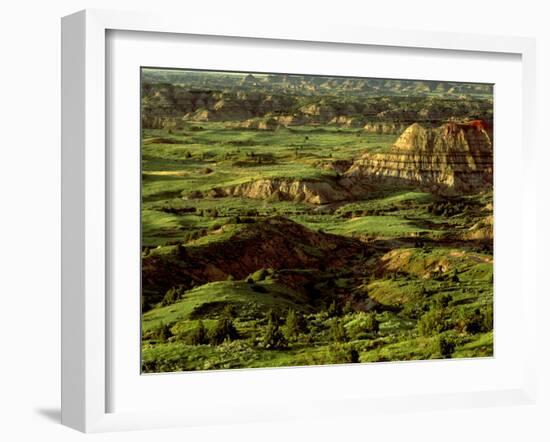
x=250, y=214
x=293, y=220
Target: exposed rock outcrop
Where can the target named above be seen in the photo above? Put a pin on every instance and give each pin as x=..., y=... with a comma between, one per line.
x=231, y=109
x=384, y=128
x=288, y=189
x=292, y=120
x=316, y=100
x=347, y=121
x=320, y=111
x=482, y=230
x=453, y=157
x=257, y=124
x=157, y=122
x=338, y=166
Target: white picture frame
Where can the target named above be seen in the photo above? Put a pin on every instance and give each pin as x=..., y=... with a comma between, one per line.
x=85, y=198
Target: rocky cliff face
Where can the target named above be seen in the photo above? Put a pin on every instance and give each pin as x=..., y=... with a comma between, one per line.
x=280, y=189
x=256, y=124
x=155, y=122
x=482, y=230
x=384, y=128
x=310, y=100
x=345, y=121
x=455, y=156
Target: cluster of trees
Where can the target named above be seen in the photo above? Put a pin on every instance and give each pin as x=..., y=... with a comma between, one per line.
x=338, y=328
x=276, y=331
x=371, y=212
x=449, y=207
x=439, y=319
x=447, y=326
x=278, y=334
x=275, y=335
x=224, y=330
x=173, y=294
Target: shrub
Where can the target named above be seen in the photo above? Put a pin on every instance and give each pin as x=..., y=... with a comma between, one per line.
x=163, y=332
x=363, y=326
x=446, y=343
x=353, y=356
x=173, y=295
x=348, y=307
x=333, y=309
x=454, y=276
x=474, y=322
x=337, y=331
x=198, y=336
x=443, y=301
x=432, y=322
x=271, y=316
x=224, y=330
x=371, y=324
x=196, y=194
x=415, y=310
x=340, y=354
x=229, y=311
x=422, y=293
x=292, y=325
x=273, y=338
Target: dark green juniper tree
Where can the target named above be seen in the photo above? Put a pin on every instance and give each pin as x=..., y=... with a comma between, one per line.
x=432, y=322
x=292, y=326
x=172, y=295
x=337, y=331
x=333, y=309
x=164, y=332
x=348, y=307
x=446, y=343
x=372, y=325
x=223, y=331
x=273, y=337
x=199, y=335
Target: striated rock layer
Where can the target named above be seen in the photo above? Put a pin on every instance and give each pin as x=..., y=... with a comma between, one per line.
x=455, y=157
x=384, y=128
x=281, y=189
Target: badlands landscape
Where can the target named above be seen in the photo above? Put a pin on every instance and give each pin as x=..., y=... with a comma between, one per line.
x=292, y=220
